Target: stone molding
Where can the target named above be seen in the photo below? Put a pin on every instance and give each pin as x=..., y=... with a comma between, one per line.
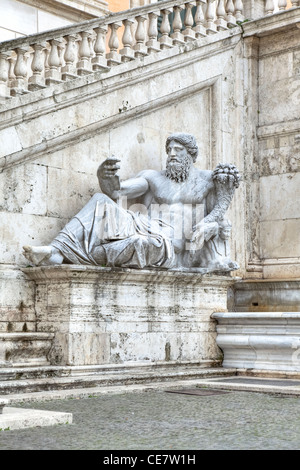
x=261, y=340
x=72, y=10
x=270, y=24
x=94, y=273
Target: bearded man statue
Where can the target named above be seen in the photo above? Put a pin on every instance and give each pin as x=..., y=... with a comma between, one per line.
x=168, y=231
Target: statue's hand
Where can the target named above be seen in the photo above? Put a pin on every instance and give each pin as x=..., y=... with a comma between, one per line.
x=108, y=178
x=202, y=233
x=226, y=174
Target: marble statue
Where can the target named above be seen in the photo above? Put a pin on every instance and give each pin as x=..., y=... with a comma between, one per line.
x=175, y=221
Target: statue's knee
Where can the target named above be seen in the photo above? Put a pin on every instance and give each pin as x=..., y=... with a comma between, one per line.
x=101, y=198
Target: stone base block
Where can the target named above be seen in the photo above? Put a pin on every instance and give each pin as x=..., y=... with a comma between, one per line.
x=17, y=349
x=266, y=296
x=265, y=340
x=19, y=418
x=110, y=316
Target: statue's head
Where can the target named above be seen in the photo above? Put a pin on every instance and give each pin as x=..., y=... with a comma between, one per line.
x=182, y=151
x=187, y=140
x=225, y=227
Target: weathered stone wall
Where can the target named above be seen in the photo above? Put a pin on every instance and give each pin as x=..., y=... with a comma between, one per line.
x=237, y=93
x=279, y=153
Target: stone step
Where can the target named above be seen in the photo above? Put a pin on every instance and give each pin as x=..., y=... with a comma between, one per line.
x=134, y=375
x=32, y=372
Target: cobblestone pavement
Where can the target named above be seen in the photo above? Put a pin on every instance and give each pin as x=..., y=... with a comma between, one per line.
x=157, y=420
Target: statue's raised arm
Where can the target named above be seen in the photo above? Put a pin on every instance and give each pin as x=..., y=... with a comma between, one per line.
x=226, y=179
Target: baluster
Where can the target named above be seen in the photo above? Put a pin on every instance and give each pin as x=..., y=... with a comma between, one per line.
x=84, y=65
x=231, y=21
x=140, y=36
x=221, y=16
x=165, y=40
x=239, y=8
x=37, y=80
x=19, y=84
x=4, y=76
x=152, y=44
x=127, y=52
x=113, y=57
x=211, y=27
x=270, y=7
x=295, y=3
x=69, y=69
x=200, y=29
x=282, y=4
x=99, y=61
x=46, y=63
x=53, y=74
x=91, y=40
x=177, y=36
x=12, y=62
x=189, y=33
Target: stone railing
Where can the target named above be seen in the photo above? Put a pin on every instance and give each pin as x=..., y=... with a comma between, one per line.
x=34, y=62
x=37, y=61
x=273, y=6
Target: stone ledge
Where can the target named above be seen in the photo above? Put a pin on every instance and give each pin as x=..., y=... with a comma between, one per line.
x=94, y=273
x=272, y=23
x=20, y=418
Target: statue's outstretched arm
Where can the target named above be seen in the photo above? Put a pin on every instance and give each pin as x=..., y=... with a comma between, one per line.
x=110, y=182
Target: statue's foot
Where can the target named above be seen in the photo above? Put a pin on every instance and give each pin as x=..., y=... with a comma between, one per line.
x=42, y=255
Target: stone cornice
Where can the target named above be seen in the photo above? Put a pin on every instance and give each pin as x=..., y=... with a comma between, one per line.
x=72, y=10
x=74, y=273
x=270, y=24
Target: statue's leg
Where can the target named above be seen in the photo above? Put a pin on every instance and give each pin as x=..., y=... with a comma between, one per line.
x=51, y=254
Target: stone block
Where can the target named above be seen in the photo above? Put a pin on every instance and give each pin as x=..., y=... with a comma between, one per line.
x=17, y=230
x=279, y=196
x=17, y=349
x=280, y=238
x=21, y=418
x=107, y=316
x=267, y=296
x=23, y=189
x=10, y=141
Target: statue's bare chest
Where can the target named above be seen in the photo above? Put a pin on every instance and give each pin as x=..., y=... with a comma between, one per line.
x=191, y=191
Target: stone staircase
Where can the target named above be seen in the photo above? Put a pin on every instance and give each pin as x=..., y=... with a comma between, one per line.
x=20, y=381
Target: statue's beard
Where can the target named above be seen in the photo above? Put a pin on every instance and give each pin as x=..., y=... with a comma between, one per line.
x=178, y=171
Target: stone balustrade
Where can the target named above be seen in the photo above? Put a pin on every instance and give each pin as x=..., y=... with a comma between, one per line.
x=37, y=61
x=34, y=62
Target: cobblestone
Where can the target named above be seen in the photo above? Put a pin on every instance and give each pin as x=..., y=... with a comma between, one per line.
x=156, y=420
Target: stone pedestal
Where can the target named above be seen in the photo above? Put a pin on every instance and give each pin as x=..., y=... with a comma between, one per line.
x=109, y=316
x=261, y=340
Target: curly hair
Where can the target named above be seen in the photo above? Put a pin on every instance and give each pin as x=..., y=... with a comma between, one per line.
x=187, y=140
